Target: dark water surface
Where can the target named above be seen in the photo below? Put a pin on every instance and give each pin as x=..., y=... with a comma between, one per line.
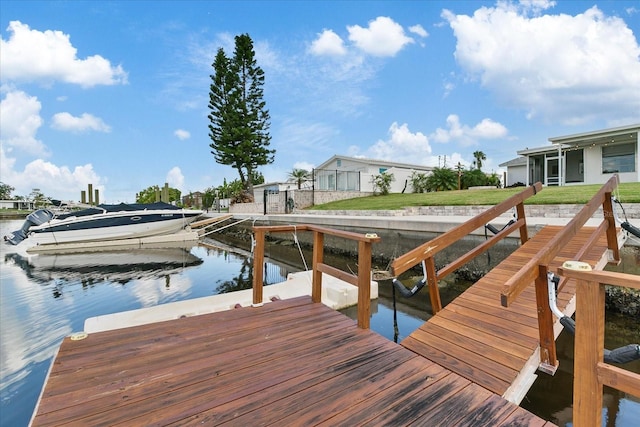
x=45, y=298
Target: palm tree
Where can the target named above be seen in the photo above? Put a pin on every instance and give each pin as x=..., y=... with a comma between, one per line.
x=442, y=179
x=299, y=176
x=479, y=156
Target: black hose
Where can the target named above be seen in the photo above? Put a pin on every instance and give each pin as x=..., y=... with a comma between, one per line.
x=408, y=293
x=631, y=228
x=625, y=354
x=396, y=332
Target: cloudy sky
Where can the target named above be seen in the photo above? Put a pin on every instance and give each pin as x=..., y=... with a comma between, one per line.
x=115, y=93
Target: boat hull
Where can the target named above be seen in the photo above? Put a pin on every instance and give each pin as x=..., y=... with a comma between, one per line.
x=109, y=226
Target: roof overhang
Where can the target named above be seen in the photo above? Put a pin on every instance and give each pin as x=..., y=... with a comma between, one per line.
x=601, y=137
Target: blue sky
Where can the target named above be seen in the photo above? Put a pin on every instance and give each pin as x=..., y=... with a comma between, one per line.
x=115, y=93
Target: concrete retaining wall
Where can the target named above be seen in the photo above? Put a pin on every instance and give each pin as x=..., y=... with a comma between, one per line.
x=632, y=210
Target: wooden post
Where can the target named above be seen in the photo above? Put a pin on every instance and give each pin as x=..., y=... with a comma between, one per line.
x=548, y=357
x=589, y=351
x=97, y=196
x=612, y=238
x=318, y=257
x=258, y=261
x=432, y=283
x=364, y=284
x=524, y=233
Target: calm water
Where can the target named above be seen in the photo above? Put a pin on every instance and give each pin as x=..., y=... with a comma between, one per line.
x=45, y=298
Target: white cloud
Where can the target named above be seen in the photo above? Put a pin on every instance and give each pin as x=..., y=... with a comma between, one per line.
x=31, y=55
x=86, y=122
x=175, y=179
x=182, y=134
x=304, y=165
x=58, y=182
x=418, y=30
x=383, y=37
x=537, y=6
x=487, y=129
x=328, y=43
x=19, y=123
x=402, y=146
x=562, y=68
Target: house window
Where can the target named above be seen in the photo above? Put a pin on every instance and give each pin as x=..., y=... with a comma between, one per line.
x=619, y=158
x=382, y=170
x=339, y=162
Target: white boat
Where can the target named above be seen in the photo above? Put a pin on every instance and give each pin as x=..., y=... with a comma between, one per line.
x=101, y=223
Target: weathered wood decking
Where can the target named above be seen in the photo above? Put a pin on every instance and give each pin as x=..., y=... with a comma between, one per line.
x=494, y=346
x=290, y=362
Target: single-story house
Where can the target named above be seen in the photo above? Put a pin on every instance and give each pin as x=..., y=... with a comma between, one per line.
x=516, y=171
x=26, y=205
x=194, y=199
x=584, y=158
x=342, y=173
x=259, y=190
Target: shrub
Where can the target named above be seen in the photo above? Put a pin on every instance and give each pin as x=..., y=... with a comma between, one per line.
x=382, y=183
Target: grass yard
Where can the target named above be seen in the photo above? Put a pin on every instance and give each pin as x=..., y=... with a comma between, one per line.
x=573, y=194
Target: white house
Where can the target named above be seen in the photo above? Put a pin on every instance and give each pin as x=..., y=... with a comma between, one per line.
x=342, y=173
x=27, y=205
x=516, y=171
x=584, y=158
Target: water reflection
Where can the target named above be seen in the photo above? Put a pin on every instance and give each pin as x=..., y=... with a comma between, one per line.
x=116, y=266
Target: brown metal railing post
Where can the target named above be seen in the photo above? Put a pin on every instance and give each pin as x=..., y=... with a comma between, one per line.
x=258, y=261
x=548, y=357
x=432, y=283
x=587, y=389
x=364, y=284
x=524, y=233
x=318, y=257
x=612, y=239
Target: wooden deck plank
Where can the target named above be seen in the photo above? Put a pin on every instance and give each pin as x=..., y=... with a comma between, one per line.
x=107, y=389
x=317, y=404
x=448, y=413
x=462, y=368
x=417, y=400
x=260, y=366
x=251, y=408
x=484, y=342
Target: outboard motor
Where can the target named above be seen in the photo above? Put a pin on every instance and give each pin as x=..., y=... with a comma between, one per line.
x=34, y=218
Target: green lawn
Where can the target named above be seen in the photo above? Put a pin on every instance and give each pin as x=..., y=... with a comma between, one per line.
x=574, y=194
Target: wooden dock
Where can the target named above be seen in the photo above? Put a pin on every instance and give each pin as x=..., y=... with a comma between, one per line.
x=495, y=346
x=290, y=362
x=298, y=362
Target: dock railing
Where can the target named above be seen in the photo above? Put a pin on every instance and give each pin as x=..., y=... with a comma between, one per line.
x=362, y=280
x=536, y=269
x=427, y=251
x=589, y=370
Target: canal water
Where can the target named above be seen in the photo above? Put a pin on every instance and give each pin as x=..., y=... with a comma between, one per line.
x=46, y=297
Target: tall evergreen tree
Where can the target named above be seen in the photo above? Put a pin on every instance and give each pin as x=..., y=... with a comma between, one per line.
x=239, y=121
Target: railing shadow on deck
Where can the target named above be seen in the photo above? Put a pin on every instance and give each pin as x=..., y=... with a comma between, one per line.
x=537, y=268
x=362, y=280
x=589, y=370
x=426, y=252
